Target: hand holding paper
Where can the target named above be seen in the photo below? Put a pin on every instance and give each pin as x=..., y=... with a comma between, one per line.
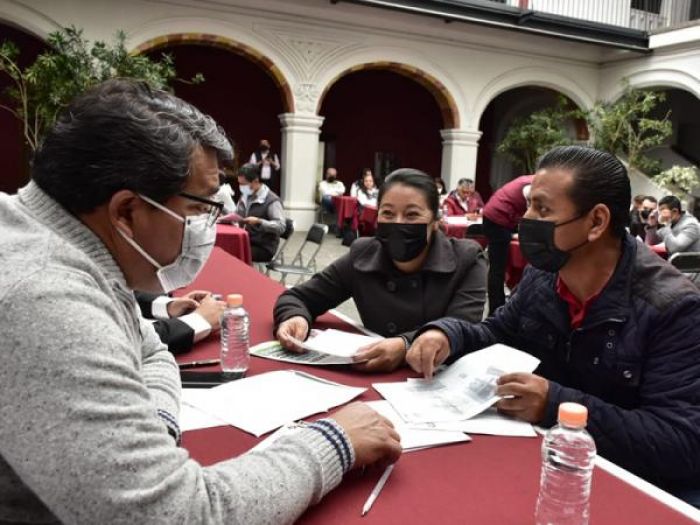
x=529, y=396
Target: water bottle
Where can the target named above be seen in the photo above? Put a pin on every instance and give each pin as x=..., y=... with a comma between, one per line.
x=235, y=348
x=568, y=453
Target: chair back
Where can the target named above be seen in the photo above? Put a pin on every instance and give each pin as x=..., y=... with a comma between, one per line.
x=686, y=262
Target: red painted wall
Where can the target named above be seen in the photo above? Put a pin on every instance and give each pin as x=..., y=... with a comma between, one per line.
x=14, y=167
x=370, y=111
x=237, y=93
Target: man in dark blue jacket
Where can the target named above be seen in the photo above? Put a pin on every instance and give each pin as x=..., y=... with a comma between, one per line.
x=616, y=328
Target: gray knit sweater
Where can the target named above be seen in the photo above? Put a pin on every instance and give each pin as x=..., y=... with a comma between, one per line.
x=88, y=392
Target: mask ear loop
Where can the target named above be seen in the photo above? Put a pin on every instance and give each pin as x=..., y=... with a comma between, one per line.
x=138, y=248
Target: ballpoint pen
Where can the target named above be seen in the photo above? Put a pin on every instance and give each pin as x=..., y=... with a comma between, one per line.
x=377, y=489
x=196, y=364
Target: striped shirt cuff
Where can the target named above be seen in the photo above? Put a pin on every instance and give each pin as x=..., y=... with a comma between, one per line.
x=336, y=436
x=171, y=424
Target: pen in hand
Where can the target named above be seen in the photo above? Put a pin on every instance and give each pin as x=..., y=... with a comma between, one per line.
x=196, y=364
x=377, y=489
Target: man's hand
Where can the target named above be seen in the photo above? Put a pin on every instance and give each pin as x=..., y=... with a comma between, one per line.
x=211, y=310
x=383, y=356
x=372, y=436
x=181, y=306
x=428, y=351
x=293, y=329
x=530, y=395
x=251, y=220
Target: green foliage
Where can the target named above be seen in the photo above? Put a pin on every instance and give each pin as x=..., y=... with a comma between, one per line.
x=678, y=180
x=625, y=127
x=40, y=91
x=530, y=137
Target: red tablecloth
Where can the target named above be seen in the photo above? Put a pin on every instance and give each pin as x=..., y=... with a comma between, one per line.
x=517, y=262
x=367, y=221
x=459, y=231
x=492, y=480
x=235, y=241
x=346, y=210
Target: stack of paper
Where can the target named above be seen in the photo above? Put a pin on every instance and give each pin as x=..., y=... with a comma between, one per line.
x=462, y=391
x=264, y=402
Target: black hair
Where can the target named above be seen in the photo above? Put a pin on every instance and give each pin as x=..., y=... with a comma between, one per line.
x=250, y=172
x=599, y=178
x=415, y=179
x=438, y=180
x=638, y=199
x=650, y=198
x=122, y=135
x=672, y=203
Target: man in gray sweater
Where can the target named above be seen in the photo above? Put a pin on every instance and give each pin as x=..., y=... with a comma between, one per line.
x=679, y=231
x=120, y=200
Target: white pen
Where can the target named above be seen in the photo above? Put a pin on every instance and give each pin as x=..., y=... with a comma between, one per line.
x=377, y=489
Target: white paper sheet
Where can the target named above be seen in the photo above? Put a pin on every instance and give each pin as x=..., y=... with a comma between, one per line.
x=460, y=220
x=264, y=402
x=273, y=350
x=415, y=438
x=192, y=418
x=337, y=343
x=489, y=422
x=461, y=391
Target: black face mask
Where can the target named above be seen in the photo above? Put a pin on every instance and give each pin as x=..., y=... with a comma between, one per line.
x=537, y=244
x=330, y=179
x=403, y=242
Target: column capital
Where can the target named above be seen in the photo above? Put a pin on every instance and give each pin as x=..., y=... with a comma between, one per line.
x=465, y=137
x=301, y=122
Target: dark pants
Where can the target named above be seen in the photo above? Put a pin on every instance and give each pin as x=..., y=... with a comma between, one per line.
x=327, y=203
x=499, y=242
x=260, y=254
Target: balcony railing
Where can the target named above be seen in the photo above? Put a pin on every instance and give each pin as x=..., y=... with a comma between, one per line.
x=644, y=15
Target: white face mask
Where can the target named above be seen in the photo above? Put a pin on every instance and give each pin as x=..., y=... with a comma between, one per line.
x=246, y=190
x=198, y=239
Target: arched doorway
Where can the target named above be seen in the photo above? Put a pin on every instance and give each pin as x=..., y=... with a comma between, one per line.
x=384, y=116
x=14, y=152
x=493, y=168
x=243, y=91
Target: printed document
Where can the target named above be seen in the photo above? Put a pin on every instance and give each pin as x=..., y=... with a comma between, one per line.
x=464, y=389
x=488, y=422
x=274, y=350
x=264, y=402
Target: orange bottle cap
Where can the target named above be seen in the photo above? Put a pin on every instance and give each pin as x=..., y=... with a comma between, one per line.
x=573, y=415
x=234, y=299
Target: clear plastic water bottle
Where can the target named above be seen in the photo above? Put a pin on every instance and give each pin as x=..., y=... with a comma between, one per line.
x=235, y=342
x=568, y=453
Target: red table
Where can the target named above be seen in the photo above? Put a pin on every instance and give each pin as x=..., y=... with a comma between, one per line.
x=235, y=241
x=517, y=262
x=367, y=221
x=346, y=210
x=459, y=231
x=492, y=480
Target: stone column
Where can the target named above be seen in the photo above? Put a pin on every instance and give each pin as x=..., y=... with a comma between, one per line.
x=459, y=148
x=300, y=133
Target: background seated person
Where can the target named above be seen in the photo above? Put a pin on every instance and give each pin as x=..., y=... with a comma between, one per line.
x=442, y=190
x=368, y=193
x=464, y=200
x=406, y=275
x=329, y=188
x=357, y=185
x=616, y=328
x=262, y=212
x=676, y=229
x=181, y=321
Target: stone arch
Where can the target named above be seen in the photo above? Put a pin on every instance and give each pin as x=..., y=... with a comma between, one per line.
x=443, y=97
x=28, y=20
x=522, y=77
x=205, y=39
x=659, y=78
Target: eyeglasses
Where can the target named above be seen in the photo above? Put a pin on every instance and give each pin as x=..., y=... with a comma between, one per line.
x=216, y=208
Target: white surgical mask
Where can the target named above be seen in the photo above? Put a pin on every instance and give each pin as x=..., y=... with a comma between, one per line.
x=246, y=190
x=198, y=239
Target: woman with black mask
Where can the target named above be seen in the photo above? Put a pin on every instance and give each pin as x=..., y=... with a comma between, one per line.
x=410, y=273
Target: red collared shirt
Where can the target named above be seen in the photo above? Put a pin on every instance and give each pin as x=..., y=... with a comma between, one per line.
x=577, y=309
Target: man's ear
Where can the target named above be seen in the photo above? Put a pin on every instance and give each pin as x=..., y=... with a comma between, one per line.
x=121, y=210
x=600, y=216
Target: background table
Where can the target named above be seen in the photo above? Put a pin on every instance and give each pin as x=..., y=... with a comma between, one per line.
x=235, y=241
x=346, y=210
x=492, y=480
